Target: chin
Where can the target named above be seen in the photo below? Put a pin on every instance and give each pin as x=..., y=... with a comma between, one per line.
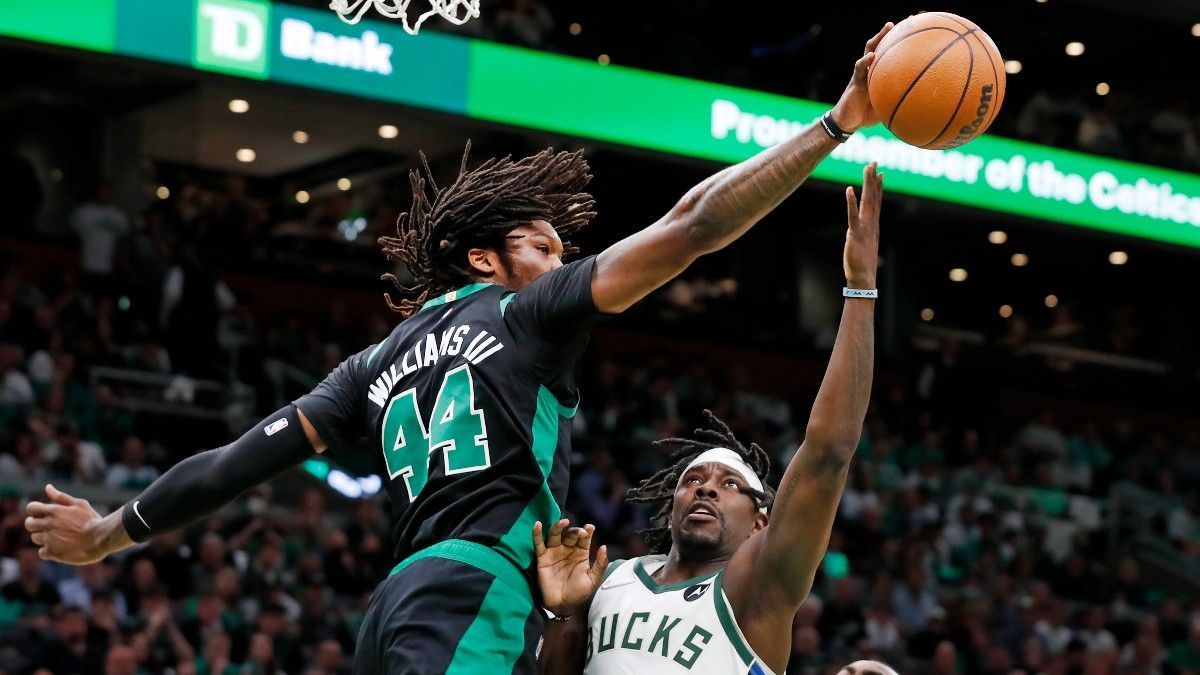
x=699, y=542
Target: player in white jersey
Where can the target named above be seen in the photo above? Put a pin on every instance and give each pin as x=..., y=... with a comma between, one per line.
x=721, y=596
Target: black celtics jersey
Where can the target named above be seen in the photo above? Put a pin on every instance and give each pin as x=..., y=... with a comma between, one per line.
x=468, y=404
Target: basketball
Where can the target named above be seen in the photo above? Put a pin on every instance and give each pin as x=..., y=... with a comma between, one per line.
x=937, y=81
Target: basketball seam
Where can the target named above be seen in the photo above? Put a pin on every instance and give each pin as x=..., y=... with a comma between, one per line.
x=921, y=74
x=879, y=55
x=962, y=97
x=995, y=82
x=995, y=75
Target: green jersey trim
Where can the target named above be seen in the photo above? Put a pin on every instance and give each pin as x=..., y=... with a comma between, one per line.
x=725, y=614
x=656, y=587
x=517, y=544
x=458, y=294
x=473, y=554
x=612, y=567
x=375, y=351
x=505, y=301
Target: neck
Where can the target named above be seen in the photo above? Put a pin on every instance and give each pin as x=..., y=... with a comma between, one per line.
x=681, y=567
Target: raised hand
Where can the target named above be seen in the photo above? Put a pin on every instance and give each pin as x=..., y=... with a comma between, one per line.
x=65, y=528
x=861, y=257
x=564, y=574
x=853, y=110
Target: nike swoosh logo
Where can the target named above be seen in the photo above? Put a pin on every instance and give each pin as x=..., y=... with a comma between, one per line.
x=139, y=514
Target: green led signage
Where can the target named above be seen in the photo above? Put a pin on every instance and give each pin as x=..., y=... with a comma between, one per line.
x=497, y=83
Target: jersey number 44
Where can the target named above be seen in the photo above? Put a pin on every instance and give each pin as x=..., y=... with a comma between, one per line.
x=456, y=427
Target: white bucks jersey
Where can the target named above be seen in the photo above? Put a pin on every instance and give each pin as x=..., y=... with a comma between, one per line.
x=637, y=625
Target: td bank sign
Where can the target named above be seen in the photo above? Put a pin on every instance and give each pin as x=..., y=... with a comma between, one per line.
x=233, y=36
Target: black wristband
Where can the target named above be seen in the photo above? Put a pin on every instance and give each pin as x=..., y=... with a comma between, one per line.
x=835, y=132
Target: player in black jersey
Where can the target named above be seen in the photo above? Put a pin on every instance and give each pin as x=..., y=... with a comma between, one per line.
x=466, y=402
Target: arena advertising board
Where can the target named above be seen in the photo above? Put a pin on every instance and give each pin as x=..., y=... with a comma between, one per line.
x=488, y=81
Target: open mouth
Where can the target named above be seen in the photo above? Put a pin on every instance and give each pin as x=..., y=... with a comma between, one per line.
x=701, y=512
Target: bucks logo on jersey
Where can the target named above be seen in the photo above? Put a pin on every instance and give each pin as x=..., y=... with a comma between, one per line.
x=637, y=625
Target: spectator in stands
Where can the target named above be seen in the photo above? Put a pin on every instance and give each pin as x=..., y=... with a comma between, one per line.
x=99, y=225
x=912, y=602
x=132, y=472
x=16, y=391
x=74, y=459
x=193, y=302
x=36, y=596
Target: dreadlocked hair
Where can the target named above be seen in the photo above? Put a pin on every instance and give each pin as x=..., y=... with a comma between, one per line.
x=476, y=211
x=659, y=489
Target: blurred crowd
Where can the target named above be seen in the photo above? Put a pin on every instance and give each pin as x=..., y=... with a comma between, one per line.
x=964, y=544
x=961, y=546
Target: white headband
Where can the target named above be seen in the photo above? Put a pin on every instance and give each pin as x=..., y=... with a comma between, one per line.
x=731, y=459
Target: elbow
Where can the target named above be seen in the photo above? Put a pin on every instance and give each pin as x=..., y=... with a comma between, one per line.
x=693, y=224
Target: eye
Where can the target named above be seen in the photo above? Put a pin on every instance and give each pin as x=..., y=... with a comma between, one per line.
x=693, y=480
x=733, y=484
x=544, y=249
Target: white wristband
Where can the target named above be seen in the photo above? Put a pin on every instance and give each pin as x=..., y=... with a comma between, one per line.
x=860, y=293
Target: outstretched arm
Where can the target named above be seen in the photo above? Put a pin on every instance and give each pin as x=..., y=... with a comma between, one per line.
x=716, y=212
x=69, y=530
x=773, y=572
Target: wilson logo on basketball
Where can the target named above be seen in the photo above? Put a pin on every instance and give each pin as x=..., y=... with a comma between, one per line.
x=967, y=132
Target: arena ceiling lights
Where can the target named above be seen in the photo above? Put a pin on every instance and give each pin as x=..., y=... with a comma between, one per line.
x=498, y=83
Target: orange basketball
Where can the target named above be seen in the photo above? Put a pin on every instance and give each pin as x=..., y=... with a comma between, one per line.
x=937, y=80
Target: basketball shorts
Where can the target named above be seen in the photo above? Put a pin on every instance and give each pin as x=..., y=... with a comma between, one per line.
x=457, y=608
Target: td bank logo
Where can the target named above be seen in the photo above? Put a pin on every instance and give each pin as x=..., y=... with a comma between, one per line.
x=231, y=36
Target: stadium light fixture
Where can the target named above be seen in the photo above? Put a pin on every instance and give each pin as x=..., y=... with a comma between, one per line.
x=239, y=106
x=958, y=274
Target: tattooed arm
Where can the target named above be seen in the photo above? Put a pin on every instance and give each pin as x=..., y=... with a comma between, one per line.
x=719, y=210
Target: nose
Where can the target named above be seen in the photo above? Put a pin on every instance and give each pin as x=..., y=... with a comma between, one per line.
x=707, y=489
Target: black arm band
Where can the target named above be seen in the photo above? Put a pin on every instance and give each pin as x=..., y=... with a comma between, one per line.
x=203, y=483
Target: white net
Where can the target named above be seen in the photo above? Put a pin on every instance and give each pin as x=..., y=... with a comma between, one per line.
x=457, y=12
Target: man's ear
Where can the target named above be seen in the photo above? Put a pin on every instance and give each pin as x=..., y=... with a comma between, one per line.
x=483, y=261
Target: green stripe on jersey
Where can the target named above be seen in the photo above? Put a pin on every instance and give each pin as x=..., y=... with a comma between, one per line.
x=496, y=638
x=612, y=567
x=517, y=544
x=656, y=587
x=375, y=351
x=504, y=302
x=725, y=614
x=454, y=295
